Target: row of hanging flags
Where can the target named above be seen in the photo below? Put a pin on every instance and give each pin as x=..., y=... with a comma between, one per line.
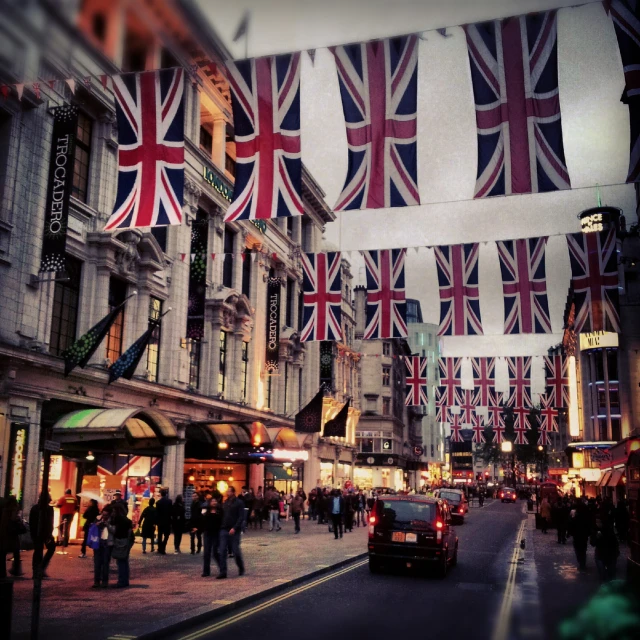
x=514, y=71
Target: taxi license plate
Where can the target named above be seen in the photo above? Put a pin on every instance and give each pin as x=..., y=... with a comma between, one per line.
x=411, y=537
x=397, y=536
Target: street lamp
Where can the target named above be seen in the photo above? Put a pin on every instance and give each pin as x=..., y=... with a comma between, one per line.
x=507, y=447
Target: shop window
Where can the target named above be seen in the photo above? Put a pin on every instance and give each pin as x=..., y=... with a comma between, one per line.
x=153, y=349
x=290, y=303
x=612, y=365
x=386, y=348
x=244, y=369
x=195, y=349
x=227, y=262
x=615, y=429
x=246, y=274
x=117, y=295
x=386, y=406
x=386, y=376
x=222, y=371
x=66, y=297
x=82, y=157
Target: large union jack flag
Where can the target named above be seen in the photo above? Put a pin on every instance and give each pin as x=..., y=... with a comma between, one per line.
x=386, y=301
x=514, y=70
x=459, y=291
x=594, y=280
x=322, y=296
x=519, y=381
x=465, y=400
x=524, y=285
x=626, y=19
x=379, y=89
x=449, y=369
x=416, y=379
x=266, y=117
x=150, y=119
x=484, y=379
x=557, y=380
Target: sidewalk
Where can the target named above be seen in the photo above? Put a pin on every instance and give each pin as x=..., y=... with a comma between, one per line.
x=168, y=589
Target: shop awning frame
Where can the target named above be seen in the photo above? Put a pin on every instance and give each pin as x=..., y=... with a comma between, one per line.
x=604, y=479
x=616, y=475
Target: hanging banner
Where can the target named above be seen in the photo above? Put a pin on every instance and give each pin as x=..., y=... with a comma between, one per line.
x=326, y=365
x=197, y=278
x=18, y=442
x=272, y=355
x=56, y=215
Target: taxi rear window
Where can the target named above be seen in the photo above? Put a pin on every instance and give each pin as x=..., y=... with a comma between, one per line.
x=399, y=512
x=451, y=496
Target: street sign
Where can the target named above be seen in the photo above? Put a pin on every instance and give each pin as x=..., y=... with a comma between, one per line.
x=418, y=451
x=51, y=445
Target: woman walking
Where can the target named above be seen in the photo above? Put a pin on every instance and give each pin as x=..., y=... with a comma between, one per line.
x=545, y=514
x=211, y=522
x=147, y=524
x=178, y=522
x=123, y=540
x=90, y=515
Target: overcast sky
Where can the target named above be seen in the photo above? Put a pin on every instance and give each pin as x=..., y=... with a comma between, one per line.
x=595, y=126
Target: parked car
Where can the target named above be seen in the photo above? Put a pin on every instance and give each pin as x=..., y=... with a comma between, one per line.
x=457, y=502
x=412, y=531
x=507, y=494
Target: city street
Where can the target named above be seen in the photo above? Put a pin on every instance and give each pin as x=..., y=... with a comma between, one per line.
x=351, y=602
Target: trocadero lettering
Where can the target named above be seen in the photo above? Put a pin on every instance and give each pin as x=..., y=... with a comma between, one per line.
x=272, y=355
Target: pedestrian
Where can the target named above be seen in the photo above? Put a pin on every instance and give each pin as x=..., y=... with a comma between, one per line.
x=195, y=523
x=68, y=505
x=257, y=515
x=178, y=522
x=349, y=510
x=545, y=514
x=579, y=529
x=102, y=555
x=211, y=522
x=274, y=510
x=90, y=515
x=621, y=517
x=230, y=531
x=282, y=505
x=119, y=502
x=321, y=506
x=313, y=499
x=147, y=524
x=164, y=509
x=370, y=502
x=558, y=518
x=248, y=497
x=607, y=549
x=123, y=540
x=11, y=526
x=359, y=508
x=297, y=509
x=42, y=536
x=336, y=509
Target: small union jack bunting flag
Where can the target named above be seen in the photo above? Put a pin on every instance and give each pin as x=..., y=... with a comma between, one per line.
x=456, y=426
x=484, y=374
x=416, y=378
x=557, y=380
x=379, y=90
x=594, y=280
x=150, y=118
x=449, y=369
x=322, y=296
x=524, y=286
x=386, y=301
x=478, y=429
x=548, y=414
x=520, y=424
x=514, y=72
x=265, y=95
x=519, y=381
x=459, y=291
x=467, y=405
x=495, y=409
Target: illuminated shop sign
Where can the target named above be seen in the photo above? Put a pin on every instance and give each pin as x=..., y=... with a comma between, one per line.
x=597, y=340
x=285, y=454
x=209, y=176
x=19, y=439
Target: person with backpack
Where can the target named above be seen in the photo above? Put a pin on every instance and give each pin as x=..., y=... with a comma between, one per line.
x=123, y=539
x=90, y=515
x=101, y=536
x=178, y=523
x=163, y=519
x=147, y=525
x=42, y=536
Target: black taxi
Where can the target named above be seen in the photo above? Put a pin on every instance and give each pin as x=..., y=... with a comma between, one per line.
x=412, y=531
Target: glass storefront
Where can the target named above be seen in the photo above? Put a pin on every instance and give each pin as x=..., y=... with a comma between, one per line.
x=205, y=476
x=326, y=473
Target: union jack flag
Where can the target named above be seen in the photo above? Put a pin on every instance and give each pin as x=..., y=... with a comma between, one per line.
x=557, y=380
x=519, y=381
x=441, y=407
x=520, y=424
x=543, y=438
x=548, y=414
x=467, y=405
x=322, y=296
x=484, y=374
x=478, y=429
x=459, y=291
x=150, y=119
x=498, y=428
x=416, y=381
x=594, y=280
x=456, y=426
x=524, y=286
x=379, y=89
x=626, y=19
x=266, y=115
x=386, y=302
x=449, y=369
x=514, y=71
x=495, y=409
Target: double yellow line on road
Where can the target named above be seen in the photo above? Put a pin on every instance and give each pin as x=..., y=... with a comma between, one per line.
x=504, y=617
x=270, y=603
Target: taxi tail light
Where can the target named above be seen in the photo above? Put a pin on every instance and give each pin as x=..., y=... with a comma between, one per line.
x=371, y=530
x=372, y=520
x=439, y=524
x=439, y=528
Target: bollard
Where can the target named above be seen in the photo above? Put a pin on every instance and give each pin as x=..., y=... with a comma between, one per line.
x=6, y=606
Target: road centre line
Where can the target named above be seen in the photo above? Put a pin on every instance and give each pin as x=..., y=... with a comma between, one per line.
x=265, y=605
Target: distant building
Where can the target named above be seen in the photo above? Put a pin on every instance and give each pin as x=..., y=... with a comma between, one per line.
x=414, y=311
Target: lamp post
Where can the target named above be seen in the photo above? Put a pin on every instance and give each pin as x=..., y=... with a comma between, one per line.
x=507, y=447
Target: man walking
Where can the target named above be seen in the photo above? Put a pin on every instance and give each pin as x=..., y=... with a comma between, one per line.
x=230, y=531
x=297, y=508
x=336, y=509
x=68, y=505
x=579, y=529
x=164, y=509
x=273, y=500
x=42, y=536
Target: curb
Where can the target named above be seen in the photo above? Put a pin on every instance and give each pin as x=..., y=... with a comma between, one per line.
x=204, y=614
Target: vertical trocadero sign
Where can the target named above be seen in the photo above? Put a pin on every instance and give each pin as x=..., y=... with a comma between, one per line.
x=18, y=441
x=272, y=357
x=56, y=215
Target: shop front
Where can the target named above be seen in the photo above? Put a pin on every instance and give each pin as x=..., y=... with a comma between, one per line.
x=588, y=460
x=613, y=480
x=380, y=470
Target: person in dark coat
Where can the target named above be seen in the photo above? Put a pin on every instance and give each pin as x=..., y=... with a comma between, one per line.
x=10, y=525
x=257, y=515
x=560, y=519
x=43, y=537
x=621, y=517
x=336, y=510
x=147, y=524
x=349, y=510
x=230, y=531
x=178, y=523
x=90, y=515
x=164, y=509
x=123, y=534
x=211, y=522
x=606, y=549
x=195, y=523
x=579, y=529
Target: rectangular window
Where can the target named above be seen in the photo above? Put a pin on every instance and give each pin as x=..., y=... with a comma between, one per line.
x=300, y=311
x=246, y=274
x=81, y=158
x=597, y=356
x=227, y=263
x=286, y=384
x=290, y=302
x=194, y=363
x=222, y=371
x=612, y=364
x=386, y=376
x=603, y=432
x=602, y=399
x=269, y=388
x=386, y=406
x=290, y=226
x=615, y=429
x=117, y=295
x=244, y=369
x=206, y=141
x=366, y=445
x=153, y=350
x=386, y=348
x=230, y=164
x=300, y=387
x=64, y=319
x=5, y=137
x=614, y=400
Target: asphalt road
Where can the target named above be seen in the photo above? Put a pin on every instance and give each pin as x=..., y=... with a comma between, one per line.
x=353, y=603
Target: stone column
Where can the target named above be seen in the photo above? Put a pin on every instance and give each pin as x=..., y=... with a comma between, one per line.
x=256, y=476
x=312, y=466
x=178, y=465
x=219, y=146
x=99, y=309
x=169, y=470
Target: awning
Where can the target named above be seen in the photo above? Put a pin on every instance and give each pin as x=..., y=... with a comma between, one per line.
x=615, y=478
x=227, y=441
x=284, y=438
x=604, y=479
x=103, y=428
x=215, y=433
